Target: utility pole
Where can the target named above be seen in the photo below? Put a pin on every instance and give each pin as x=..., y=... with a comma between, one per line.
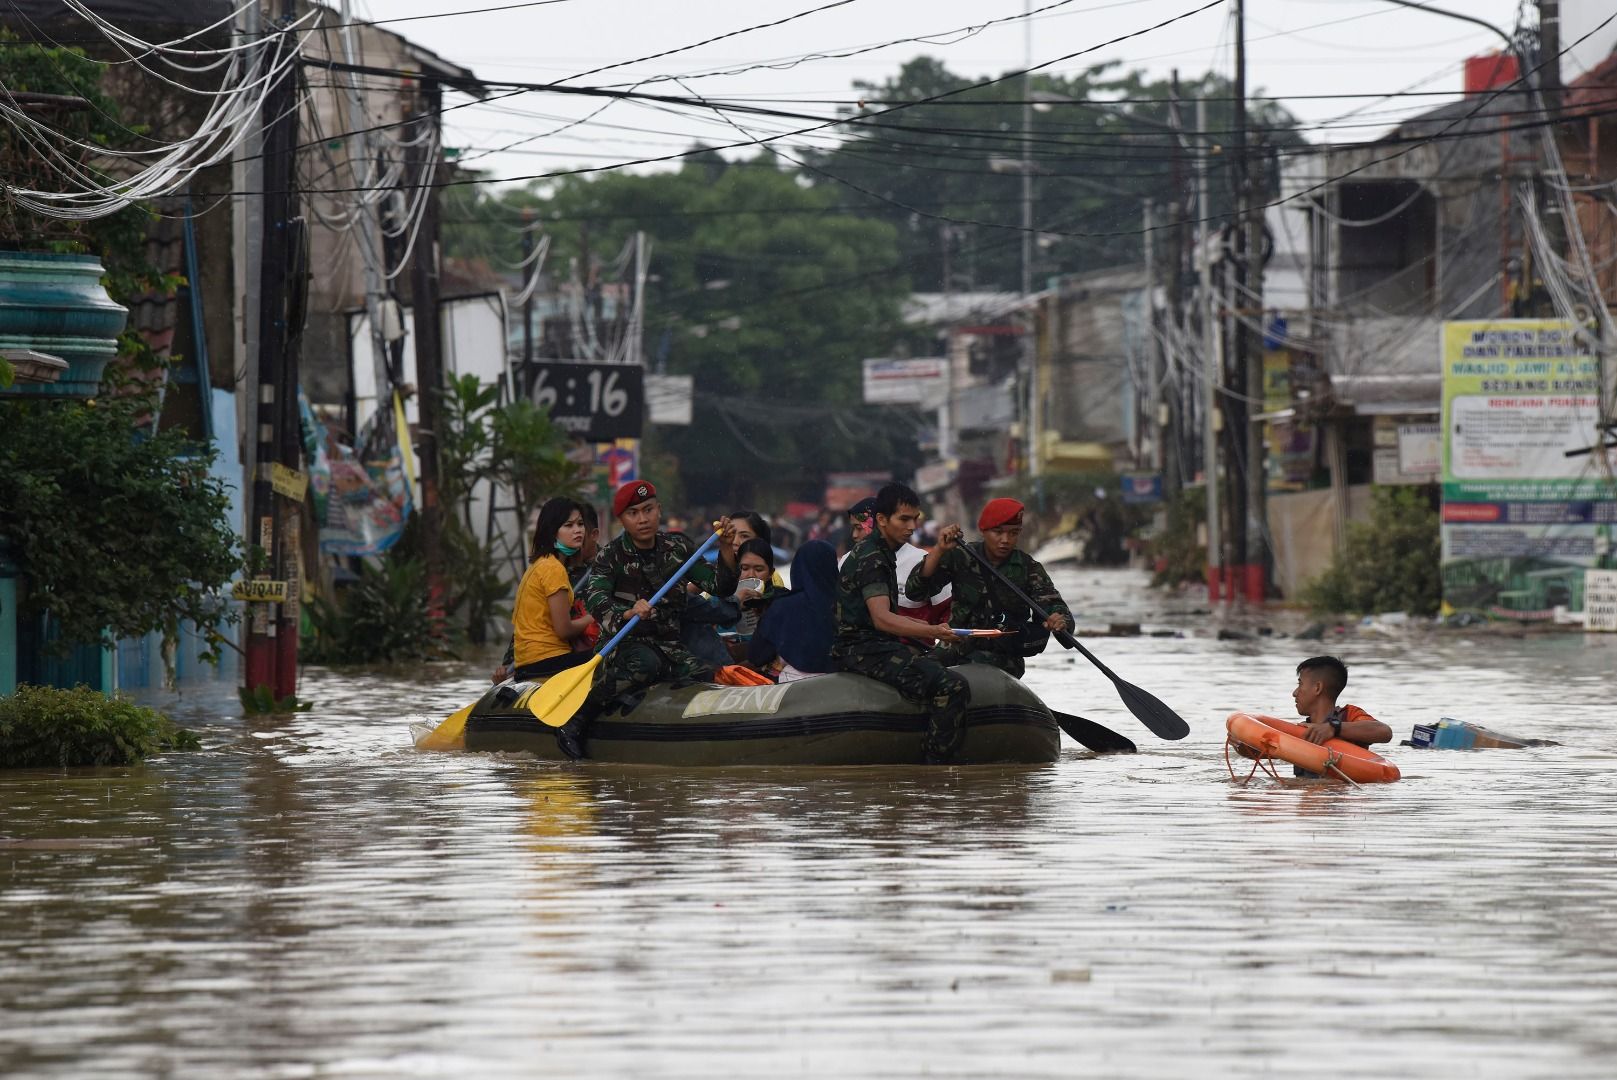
x=1030, y=343
x=367, y=222
x=248, y=172
x=429, y=364
x=1176, y=406
x=946, y=438
x=1257, y=558
x=1212, y=363
x=1235, y=407
x=527, y=304
x=1549, y=53
x=272, y=641
x=1153, y=355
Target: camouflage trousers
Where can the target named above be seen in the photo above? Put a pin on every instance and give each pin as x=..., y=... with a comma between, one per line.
x=639, y=664
x=920, y=678
x=953, y=654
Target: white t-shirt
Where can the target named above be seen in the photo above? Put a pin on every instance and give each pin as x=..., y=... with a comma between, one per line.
x=908, y=558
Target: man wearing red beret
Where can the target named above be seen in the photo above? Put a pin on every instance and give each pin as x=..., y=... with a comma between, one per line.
x=626, y=573
x=981, y=601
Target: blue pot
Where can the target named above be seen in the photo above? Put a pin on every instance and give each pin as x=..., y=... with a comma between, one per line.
x=56, y=304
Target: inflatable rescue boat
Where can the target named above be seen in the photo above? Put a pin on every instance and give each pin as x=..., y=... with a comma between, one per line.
x=841, y=719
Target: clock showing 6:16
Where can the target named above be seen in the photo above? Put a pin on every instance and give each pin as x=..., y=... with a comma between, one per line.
x=598, y=402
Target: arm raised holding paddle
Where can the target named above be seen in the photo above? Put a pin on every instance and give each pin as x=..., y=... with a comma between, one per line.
x=1150, y=711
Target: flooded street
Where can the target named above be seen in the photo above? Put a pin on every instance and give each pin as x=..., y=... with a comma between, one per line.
x=310, y=897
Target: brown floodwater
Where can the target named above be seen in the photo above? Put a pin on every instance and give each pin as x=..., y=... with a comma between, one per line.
x=310, y=897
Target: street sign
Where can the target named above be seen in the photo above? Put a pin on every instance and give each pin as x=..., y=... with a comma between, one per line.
x=258, y=591
x=918, y=381
x=1142, y=487
x=288, y=482
x=1600, y=600
x=598, y=402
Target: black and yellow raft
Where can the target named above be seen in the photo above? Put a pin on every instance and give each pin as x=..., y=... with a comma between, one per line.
x=841, y=719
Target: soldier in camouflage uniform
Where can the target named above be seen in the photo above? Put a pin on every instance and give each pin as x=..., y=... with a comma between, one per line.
x=982, y=601
x=626, y=573
x=870, y=630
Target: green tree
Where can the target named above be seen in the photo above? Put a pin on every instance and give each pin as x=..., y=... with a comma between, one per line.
x=960, y=159
x=765, y=294
x=122, y=531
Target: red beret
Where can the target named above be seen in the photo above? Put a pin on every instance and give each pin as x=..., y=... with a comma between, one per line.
x=999, y=512
x=635, y=491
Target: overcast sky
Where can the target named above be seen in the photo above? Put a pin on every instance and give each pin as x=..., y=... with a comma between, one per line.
x=1295, y=47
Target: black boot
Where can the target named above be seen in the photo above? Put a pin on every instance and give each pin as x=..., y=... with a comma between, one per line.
x=571, y=737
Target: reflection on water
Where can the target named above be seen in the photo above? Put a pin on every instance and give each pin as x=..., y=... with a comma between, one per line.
x=310, y=897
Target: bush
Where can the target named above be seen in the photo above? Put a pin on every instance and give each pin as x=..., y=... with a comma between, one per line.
x=1393, y=562
x=43, y=727
x=382, y=617
x=1177, y=554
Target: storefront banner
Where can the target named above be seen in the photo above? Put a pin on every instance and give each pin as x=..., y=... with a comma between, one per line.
x=1521, y=521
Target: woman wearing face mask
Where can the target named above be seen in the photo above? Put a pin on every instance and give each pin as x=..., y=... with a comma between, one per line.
x=755, y=562
x=542, y=624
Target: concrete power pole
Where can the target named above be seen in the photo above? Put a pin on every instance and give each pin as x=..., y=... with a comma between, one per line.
x=1236, y=411
x=368, y=225
x=1257, y=479
x=1030, y=341
x=1153, y=354
x=424, y=291
x=1212, y=362
x=272, y=630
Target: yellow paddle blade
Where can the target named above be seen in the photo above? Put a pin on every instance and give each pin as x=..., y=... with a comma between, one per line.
x=563, y=693
x=449, y=735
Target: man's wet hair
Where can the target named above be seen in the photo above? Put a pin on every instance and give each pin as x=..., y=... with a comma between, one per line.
x=892, y=496
x=1330, y=671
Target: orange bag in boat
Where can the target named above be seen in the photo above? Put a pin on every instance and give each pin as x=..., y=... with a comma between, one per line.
x=741, y=675
x=1270, y=737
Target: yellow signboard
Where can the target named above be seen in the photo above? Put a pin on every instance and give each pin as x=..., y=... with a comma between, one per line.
x=259, y=591
x=289, y=482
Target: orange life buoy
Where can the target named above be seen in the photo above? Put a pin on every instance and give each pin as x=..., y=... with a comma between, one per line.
x=1270, y=737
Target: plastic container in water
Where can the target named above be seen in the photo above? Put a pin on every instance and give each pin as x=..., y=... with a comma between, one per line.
x=1454, y=735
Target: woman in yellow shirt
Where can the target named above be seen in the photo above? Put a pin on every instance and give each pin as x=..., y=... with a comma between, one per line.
x=542, y=624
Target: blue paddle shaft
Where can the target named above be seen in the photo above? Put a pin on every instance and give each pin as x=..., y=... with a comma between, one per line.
x=679, y=576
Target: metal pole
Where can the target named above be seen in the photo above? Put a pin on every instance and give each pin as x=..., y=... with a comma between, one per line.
x=367, y=221
x=1235, y=405
x=946, y=413
x=527, y=305
x=268, y=633
x=249, y=227
x=429, y=365
x=1212, y=362
x=1030, y=336
x=1153, y=376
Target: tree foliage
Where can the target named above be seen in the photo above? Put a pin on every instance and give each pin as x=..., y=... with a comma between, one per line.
x=765, y=295
x=773, y=276
x=949, y=173
x=120, y=532
x=1390, y=563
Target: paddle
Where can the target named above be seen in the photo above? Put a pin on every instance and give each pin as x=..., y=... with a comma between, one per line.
x=563, y=693
x=1091, y=735
x=1162, y=721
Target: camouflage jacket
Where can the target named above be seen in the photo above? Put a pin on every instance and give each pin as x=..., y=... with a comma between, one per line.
x=981, y=601
x=622, y=574
x=871, y=569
